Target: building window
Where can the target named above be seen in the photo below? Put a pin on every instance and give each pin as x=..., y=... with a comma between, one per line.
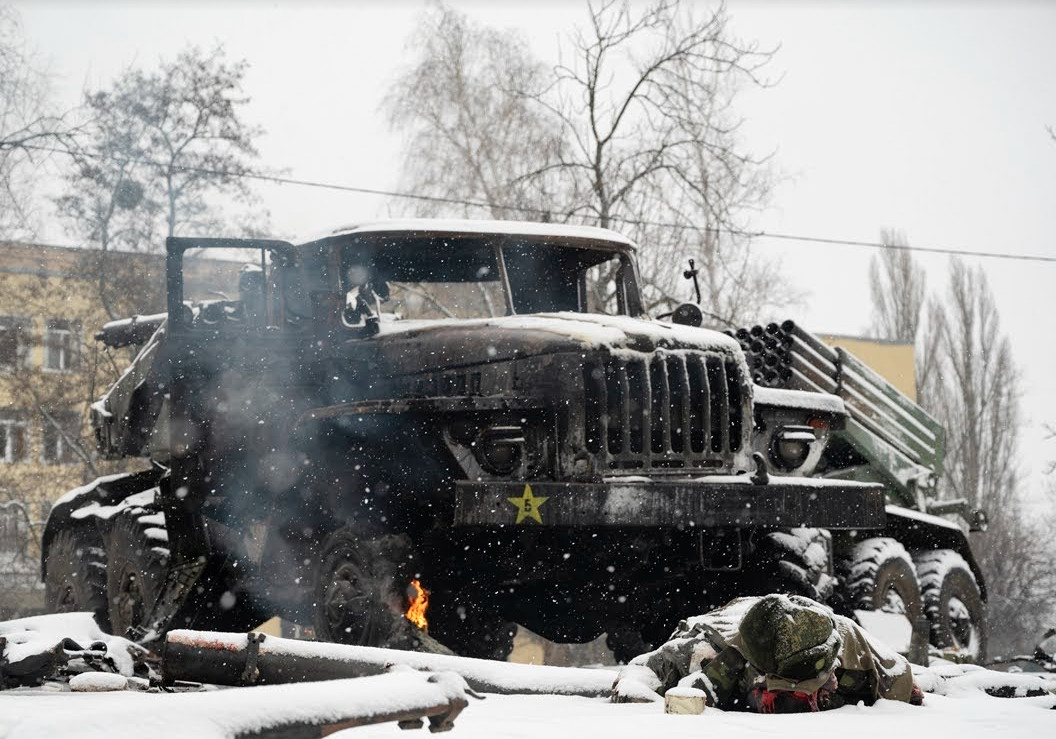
x=14, y=342
x=62, y=343
x=60, y=434
x=13, y=438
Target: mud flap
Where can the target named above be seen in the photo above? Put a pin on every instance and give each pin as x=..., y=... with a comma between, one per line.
x=179, y=581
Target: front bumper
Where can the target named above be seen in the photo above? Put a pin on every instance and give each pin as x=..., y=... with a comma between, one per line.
x=785, y=502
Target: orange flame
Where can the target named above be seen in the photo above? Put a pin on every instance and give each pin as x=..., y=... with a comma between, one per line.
x=419, y=598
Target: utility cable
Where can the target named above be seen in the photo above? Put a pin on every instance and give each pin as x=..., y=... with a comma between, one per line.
x=546, y=214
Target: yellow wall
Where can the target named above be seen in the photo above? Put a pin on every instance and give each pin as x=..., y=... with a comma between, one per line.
x=892, y=360
x=38, y=283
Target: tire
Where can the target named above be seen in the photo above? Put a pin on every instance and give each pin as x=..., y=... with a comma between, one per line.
x=793, y=562
x=360, y=589
x=137, y=562
x=75, y=575
x=953, y=604
x=878, y=575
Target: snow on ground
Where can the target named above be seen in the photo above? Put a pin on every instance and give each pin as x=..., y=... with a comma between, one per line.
x=214, y=714
x=42, y=715
x=557, y=717
x=956, y=705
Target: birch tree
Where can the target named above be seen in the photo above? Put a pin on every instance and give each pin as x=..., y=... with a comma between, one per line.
x=633, y=129
x=471, y=131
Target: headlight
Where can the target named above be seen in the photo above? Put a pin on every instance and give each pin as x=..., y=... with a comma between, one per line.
x=790, y=446
x=499, y=449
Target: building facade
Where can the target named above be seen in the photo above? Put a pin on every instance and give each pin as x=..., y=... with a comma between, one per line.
x=52, y=301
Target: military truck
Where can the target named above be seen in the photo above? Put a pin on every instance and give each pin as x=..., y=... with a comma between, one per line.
x=483, y=412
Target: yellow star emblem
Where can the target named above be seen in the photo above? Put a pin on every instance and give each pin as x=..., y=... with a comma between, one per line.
x=528, y=505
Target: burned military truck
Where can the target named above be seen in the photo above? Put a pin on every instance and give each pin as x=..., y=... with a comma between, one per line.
x=481, y=411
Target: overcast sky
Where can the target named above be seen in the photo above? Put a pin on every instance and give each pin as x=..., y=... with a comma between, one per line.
x=928, y=117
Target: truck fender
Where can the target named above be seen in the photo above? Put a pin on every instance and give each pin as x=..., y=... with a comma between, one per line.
x=87, y=505
x=923, y=531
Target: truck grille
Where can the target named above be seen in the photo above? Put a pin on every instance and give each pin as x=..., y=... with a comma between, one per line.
x=666, y=410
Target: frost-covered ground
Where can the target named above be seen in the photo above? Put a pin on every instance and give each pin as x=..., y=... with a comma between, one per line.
x=553, y=717
x=956, y=704
x=971, y=713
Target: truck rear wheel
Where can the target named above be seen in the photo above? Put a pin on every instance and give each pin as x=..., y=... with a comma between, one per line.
x=360, y=589
x=136, y=565
x=878, y=575
x=75, y=575
x=137, y=548
x=952, y=602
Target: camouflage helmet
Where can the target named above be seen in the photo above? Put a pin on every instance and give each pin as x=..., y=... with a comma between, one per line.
x=790, y=638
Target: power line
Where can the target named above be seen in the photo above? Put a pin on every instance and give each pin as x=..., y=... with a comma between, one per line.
x=278, y=179
x=904, y=247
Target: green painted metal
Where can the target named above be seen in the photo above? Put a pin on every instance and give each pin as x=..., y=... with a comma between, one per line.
x=904, y=479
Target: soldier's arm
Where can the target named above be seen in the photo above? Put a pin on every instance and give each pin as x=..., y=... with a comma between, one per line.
x=656, y=671
x=725, y=680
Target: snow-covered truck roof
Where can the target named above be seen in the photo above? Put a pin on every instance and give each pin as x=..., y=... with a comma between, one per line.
x=480, y=227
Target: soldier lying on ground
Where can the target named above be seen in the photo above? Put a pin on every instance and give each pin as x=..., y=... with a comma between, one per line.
x=772, y=654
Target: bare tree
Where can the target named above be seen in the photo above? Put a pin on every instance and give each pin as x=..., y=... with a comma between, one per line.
x=158, y=152
x=897, y=288
x=25, y=125
x=471, y=132
x=980, y=393
x=19, y=545
x=896, y=284
x=974, y=389
x=635, y=131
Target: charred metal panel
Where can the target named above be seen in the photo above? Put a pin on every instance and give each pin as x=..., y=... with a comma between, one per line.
x=669, y=504
x=421, y=405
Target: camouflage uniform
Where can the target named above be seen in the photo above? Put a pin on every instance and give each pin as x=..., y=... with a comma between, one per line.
x=781, y=643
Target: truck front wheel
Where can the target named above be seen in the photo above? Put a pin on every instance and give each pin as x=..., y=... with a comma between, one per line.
x=75, y=575
x=793, y=561
x=878, y=575
x=361, y=589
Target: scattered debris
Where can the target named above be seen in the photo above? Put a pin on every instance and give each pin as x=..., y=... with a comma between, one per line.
x=61, y=646
x=1043, y=659
x=947, y=678
x=241, y=659
x=681, y=700
x=410, y=699
x=67, y=652
x=98, y=682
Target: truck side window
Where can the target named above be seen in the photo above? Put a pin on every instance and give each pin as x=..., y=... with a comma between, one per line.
x=603, y=288
x=545, y=278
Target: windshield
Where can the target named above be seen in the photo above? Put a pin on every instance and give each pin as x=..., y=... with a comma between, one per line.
x=428, y=276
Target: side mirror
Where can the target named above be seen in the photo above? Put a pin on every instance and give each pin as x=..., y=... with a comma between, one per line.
x=688, y=314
